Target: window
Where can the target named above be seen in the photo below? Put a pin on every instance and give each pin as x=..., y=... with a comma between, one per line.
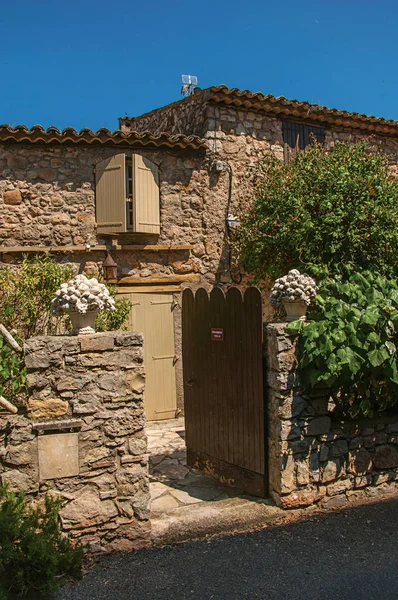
x=127, y=195
x=298, y=134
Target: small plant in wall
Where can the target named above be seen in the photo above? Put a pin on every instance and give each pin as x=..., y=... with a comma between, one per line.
x=295, y=291
x=82, y=299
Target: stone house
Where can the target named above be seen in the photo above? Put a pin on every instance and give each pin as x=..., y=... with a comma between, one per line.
x=158, y=194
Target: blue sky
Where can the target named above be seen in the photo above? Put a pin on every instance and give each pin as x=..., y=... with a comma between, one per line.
x=84, y=64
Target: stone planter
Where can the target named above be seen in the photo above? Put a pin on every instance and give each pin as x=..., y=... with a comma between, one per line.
x=83, y=323
x=294, y=310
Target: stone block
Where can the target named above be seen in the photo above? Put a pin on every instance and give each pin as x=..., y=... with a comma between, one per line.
x=126, y=358
x=43, y=360
x=288, y=483
x=318, y=426
x=18, y=481
x=135, y=381
x=335, y=501
x=301, y=498
x=331, y=470
x=58, y=455
x=359, y=461
x=291, y=406
x=47, y=409
x=12, y=197
x=339, y=487
x=97, y=343
x=87, y=510
x=386, y=457
x=21, y=454
x=302, y=472
x=128, y=338
x=137, y=445
x=338, y=448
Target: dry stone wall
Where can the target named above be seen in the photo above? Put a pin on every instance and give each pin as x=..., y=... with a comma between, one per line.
x=83, y=436
x=314, y=458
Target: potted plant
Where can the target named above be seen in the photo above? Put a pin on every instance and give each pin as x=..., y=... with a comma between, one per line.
x=82, y=299
x=295, y=291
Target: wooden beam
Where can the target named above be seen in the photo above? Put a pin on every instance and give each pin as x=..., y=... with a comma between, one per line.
x=191, y=277
x=8, y=406
x=129, y=247
x=148, y=289
x=48, y=249
x=153, y=248
x=10, y=339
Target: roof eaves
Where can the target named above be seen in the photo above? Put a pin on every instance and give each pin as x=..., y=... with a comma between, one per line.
x=37, y=134
x=279, y=105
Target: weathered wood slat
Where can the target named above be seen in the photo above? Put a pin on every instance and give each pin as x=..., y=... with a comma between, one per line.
x=149, y=288
x=191, y=277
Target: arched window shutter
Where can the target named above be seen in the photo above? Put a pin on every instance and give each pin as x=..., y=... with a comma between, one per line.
x=111, y=195
x=146, y=197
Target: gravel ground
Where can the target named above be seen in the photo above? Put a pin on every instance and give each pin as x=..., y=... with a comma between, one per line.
x=342, y=555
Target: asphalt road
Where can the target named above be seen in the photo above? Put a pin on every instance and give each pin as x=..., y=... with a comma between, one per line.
x=342, y=555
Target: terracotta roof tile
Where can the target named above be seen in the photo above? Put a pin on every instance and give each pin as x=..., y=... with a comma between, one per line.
x=281, y=106
x=37, y=134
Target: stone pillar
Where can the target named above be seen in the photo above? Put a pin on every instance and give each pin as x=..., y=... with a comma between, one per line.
x=315, y=455
x=83, y=436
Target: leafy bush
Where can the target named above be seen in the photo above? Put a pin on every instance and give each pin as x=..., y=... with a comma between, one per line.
x=26, y=292
x=326, y=208
x=112, y=321
x=12, y=372
x=34, y=555
x=350, y=345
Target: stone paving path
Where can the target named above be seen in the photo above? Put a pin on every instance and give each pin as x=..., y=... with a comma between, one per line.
x=172, y=483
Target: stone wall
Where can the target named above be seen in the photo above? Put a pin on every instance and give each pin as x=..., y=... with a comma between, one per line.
x=315, y=458
x=83, y=437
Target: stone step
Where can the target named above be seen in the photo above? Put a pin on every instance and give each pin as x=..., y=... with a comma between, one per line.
x=204, y=519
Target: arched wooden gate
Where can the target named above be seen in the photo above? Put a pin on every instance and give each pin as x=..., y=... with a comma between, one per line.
x=223, y=386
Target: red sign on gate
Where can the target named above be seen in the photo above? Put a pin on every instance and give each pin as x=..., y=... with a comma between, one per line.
x=217, y=335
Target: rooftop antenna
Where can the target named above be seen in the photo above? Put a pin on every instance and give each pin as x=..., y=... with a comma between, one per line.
x=189, y=82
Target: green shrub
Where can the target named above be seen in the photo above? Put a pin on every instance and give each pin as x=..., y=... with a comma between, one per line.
x=326, y=208
x=12, y=372
x=350, y=344
x=112, y=321
x=34, y=556
x=26, y=292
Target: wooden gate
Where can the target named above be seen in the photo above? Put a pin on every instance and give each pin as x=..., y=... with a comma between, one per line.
x=223, y=386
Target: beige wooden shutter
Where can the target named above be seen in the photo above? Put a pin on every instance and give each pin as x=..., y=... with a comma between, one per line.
x=110, y=194
x=146, y=199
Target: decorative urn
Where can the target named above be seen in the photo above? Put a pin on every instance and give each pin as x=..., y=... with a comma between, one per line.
x=295, y=292
x=82, y=299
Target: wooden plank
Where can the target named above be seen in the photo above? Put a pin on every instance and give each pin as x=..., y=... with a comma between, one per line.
x=188, y=302
x=153, y=247
x=191, y=277
x=11, y=249
x=148, y=289
x=81, y=248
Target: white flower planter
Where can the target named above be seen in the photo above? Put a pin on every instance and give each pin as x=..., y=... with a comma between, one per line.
x=83, y=323
x=294, y=310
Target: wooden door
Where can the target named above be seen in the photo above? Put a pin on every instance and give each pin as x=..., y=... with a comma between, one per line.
x=223, y=386
x=152, y=314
